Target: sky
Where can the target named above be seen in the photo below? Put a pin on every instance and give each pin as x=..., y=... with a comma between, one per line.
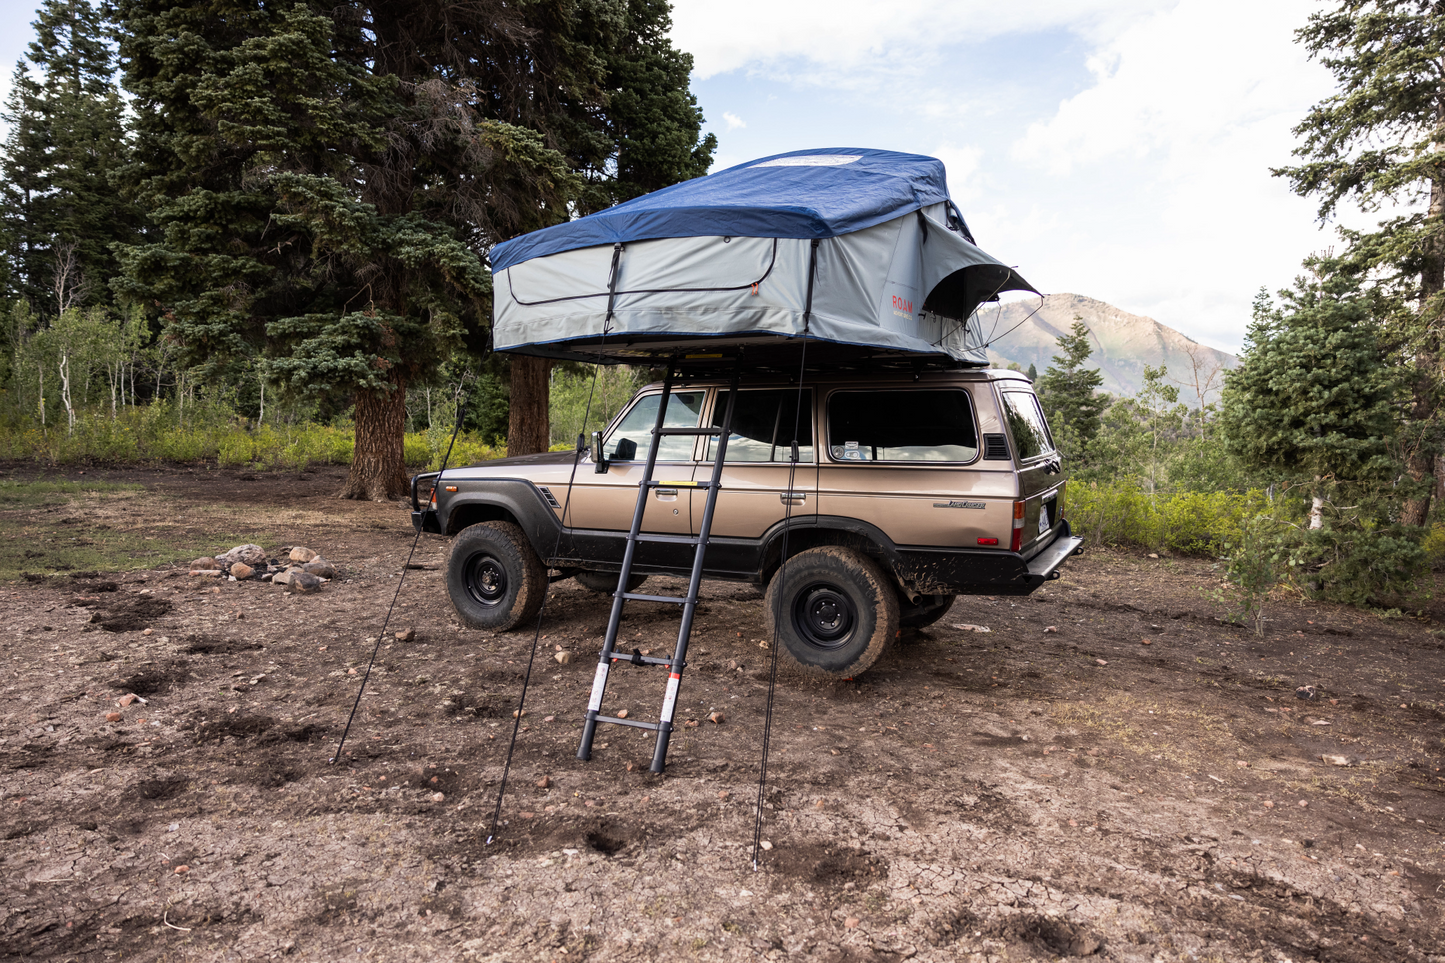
x=1118, y=149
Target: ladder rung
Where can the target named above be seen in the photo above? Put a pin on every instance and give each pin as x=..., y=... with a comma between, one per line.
x=639, y=659
x=669, y=539
x=636, y=597
x=627, y=722
x=687, y=431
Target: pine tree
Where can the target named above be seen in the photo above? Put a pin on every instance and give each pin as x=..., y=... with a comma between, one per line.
x=1070, y=395
x=646, y=135
x=1380, y=142
x=60, y=212
x=325, y=179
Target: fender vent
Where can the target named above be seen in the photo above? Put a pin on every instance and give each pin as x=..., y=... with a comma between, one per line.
x=547, y=494
x=995, y=448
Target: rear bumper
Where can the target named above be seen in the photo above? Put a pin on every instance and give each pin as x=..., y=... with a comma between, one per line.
x=1045, y=565
x=983, y=572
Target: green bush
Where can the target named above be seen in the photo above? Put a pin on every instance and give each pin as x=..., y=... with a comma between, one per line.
x=1190, y=523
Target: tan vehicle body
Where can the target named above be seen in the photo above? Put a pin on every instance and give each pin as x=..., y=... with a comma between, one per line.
x=939, y=526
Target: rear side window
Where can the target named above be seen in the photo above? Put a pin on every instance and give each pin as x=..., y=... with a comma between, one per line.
x=763, y=425
x=1026, y=422
x=632, y=436
x=923, y=425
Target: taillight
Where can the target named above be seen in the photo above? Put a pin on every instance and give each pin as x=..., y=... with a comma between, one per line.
x=1016, y=542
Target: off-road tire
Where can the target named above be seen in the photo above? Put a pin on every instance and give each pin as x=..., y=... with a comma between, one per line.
x=930, y=609
x=606, y=582
x=832, y=610
x=494, y=578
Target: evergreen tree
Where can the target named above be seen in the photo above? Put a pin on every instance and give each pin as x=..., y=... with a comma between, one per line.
x=1315, y=402
x=325, y=178
x=1033, y=372
x=1380, y=142
x=59, y=213
x=1070, y=395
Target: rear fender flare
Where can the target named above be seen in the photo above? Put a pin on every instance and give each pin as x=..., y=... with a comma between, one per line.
x=812, y=531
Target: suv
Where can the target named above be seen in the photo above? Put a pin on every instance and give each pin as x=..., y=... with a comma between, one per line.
x=908, y=491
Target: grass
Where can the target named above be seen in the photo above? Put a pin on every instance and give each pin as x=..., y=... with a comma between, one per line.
x=54, y=527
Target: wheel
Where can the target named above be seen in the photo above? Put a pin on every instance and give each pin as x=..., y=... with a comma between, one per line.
x=930, y=609
x=607, y=581
x=833, y=611
x=494, y=578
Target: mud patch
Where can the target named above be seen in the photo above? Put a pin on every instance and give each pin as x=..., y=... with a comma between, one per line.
x=826, y=863
x=210, y=645
x=125, y=614
x=160, y=788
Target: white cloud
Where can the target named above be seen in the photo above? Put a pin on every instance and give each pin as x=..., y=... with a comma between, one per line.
x=843, y=34
x=733, y=120
x=961, y=164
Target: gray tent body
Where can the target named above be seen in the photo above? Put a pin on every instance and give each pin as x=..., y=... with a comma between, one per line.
x=904, y=289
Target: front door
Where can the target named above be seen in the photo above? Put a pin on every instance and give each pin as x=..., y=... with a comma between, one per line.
x=755, y=495
x=600, y=514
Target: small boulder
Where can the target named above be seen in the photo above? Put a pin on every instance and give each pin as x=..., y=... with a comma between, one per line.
x=281, y=578
x=209, y=572
x=563, y=658
x=303, y=583
x=204, y=564
x=251, y=555
x=241, y=570
x=303, y=555
x=406, y=635
x=321, y=568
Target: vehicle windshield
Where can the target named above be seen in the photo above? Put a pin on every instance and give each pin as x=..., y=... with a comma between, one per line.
x=903, y=425
x=629, y=440
x=1026, y=421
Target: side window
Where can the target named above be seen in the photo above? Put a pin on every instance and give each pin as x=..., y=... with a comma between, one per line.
x=630, y=439
x=763, y=425
x=1026, y=422
x=902, y=425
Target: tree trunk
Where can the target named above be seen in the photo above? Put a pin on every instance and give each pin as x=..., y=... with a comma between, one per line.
x=529, y=429
x=378, y=466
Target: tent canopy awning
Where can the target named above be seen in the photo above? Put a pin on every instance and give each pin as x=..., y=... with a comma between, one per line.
x=858, y=248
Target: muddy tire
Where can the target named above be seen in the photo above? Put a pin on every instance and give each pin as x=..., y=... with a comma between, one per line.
x=606, y=582
x=494, y=578
x=930, y=609
x=832, y=610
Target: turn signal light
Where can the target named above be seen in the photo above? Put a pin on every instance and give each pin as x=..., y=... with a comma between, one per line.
x=1016, y=542
x=988, y=541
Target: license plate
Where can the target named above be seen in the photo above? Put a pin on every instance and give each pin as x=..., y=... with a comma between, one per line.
x=1044, y=517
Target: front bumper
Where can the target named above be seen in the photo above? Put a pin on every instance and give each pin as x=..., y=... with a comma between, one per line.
x=426, y=521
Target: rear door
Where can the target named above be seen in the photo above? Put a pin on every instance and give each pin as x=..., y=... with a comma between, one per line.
x=755, y=494
x=1041, y=484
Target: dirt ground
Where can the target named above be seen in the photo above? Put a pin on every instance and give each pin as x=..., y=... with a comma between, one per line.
x=1141, y=784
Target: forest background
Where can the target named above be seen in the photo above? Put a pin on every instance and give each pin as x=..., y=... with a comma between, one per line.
x=255, y=235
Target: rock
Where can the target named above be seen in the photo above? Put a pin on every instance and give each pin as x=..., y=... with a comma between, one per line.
x=208, y=572
x=204, y=564
x=303, y=555
x=406, y=635
x=1051, y=628
x=183, y=868
x=113, y=717
x=1153, y=555
x=518, y=713
x=321, y=568
x=240, y=570
x=563, y=658
x=717, y=717
x=126, y=699
x=438, y=796
x=545, y=782
x=765, y=845
x=549, y=718
x=851, y=923
x=971, y=628
x=1306, y=692
x=722, y=794
x=622, y=714
x=281, y=578
x=1336, y=760
x=1145, y=642
x=252, y=555
x=1268, y=804
x=1100, y=662
x=302, y=583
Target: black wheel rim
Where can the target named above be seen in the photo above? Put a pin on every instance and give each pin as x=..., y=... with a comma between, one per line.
x=486, y=579
x=824, y=616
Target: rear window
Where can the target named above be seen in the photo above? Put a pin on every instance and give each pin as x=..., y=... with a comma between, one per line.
x=905, y=425
x=1026, y=422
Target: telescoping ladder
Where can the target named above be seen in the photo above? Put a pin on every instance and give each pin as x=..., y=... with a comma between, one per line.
x=678, y=661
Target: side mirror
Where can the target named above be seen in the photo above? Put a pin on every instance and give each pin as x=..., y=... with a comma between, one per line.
x=599, y=463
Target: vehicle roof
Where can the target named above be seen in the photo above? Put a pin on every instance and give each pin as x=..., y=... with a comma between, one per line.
x=848, y=379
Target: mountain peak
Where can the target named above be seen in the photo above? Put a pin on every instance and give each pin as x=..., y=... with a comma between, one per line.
x=1026, y=332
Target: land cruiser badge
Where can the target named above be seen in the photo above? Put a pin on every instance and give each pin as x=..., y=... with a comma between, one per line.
x=959, y=505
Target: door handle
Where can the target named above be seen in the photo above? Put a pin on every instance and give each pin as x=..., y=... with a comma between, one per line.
x=664, y=491
x=792, y=497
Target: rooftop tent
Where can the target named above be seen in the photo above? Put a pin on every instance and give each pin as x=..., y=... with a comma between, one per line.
x=861, y=250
